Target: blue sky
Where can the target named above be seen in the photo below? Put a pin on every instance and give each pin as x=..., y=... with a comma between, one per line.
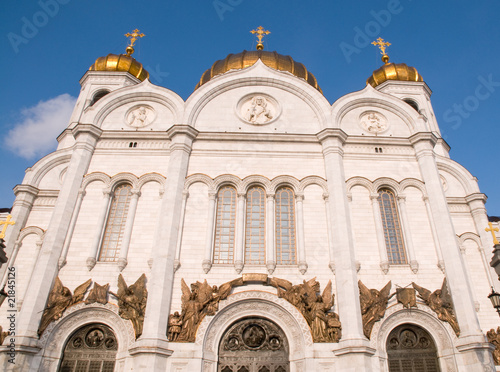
x=48, y=45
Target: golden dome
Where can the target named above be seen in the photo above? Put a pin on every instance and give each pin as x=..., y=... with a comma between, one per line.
x=122, y=62
x=270, y=59
x=393, y=71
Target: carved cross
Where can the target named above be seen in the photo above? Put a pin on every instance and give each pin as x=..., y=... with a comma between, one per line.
x=9, y=222
x=492, y=230
x=260, y=34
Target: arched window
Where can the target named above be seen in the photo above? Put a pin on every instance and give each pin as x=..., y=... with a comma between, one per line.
x=224, y=228
x=91, y=348
x=98, y=96
x=392, y=227
x=285, y=227
x=113, y=234
x=255, y=232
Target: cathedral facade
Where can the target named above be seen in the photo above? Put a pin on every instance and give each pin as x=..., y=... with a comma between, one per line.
x=254, y=227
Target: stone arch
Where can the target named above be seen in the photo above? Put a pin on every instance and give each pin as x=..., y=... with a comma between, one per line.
x=282, y=181
x=124, y=178
x=227, y=180
x=313, y=180
x=413, y=182
x=96, y=176
x=54, y=338
x=385, y=182
x=254, y=303
x=423, y=317
x=150, y=177
x=254, y=180
x=30, y=230
x=199, y=177
x=360, y=181
x=462, y=175
x=35, y=174
x=469, y=236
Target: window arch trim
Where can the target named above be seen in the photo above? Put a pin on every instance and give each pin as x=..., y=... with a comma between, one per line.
x=392, y=227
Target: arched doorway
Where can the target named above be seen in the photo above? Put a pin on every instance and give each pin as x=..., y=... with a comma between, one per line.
x=253, y=345
x=411, y=349
x=91, y=348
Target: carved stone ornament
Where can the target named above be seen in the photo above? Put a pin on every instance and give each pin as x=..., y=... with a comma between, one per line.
x=373, y=304
x=258, y=109
x=60, y=298
x=3, y=335
x=494, y=338
x=99, y=293
x=373, y=122
x=132, y=302
x=140, y=116
x=441, y=303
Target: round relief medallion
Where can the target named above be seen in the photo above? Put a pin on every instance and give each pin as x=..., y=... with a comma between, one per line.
x=373, y=122
x=94, y=337
x=140, y=116
x=254, y=336
x=258, y=109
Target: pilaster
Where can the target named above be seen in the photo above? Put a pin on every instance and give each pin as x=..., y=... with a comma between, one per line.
x=151, y=349
x=46, y=269
x=471, y=340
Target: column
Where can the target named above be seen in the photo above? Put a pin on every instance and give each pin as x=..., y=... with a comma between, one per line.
x=46, y=268
x=407, y=234
x=177, y=261
x=101, y=221
x=127, y=232
x=476, y=203
x=240, y=233
x=354, y=349
x=72, y=224
x=299, y=202
x=270, y=241
x=471, y=342
x=329, y=227
x=382, y=249
x=209, y=242
x=151, y=350
x=439, y=254
x=21, y=208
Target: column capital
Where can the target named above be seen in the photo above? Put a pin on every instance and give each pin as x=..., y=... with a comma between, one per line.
x=136, y=193
x=107, y=192
x=242, y=195
x=270, y=195
x=178, y=129
x=212, y=195
x=299, y=197
x=374, y=197
x=82, y=193
x=335, y=133
x=477, y=196
x=424, y=137
x=402, y=199
x=28, y=189
x=185, y=194
x=326, y=196
x=90, y=129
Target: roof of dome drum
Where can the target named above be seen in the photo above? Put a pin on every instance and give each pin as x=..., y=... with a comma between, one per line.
x=393, y=71
x=246, y=59
x=121, y=62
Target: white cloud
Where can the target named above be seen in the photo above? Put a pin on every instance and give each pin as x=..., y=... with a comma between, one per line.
x=35, y=134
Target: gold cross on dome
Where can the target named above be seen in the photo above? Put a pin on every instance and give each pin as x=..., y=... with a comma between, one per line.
x=133, y=37
x=5, y=224
x=260, y=34
x=382, y=45
x=492, y=229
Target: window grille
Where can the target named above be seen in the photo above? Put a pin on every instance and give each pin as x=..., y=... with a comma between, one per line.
x=392, y=227
x=255, y=232
x=224, y=228
x=285, y=227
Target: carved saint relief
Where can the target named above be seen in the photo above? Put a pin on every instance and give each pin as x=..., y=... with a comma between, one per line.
x=373, y=122
x=258, y=109
x=140, y=116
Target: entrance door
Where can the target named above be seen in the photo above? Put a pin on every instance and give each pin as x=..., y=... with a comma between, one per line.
x=411, y=349
x=92, y=348
x=253, y=345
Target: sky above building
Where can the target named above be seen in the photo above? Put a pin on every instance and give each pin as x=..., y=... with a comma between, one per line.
x=48, y=45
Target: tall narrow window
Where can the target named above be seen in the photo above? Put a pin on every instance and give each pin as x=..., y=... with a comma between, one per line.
x=224, y=229
x=255, y=234
x=392, y=227
x=113, y=233
x=285, y=227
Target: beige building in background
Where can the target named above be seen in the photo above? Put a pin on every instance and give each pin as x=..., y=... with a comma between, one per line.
x=281, y=228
